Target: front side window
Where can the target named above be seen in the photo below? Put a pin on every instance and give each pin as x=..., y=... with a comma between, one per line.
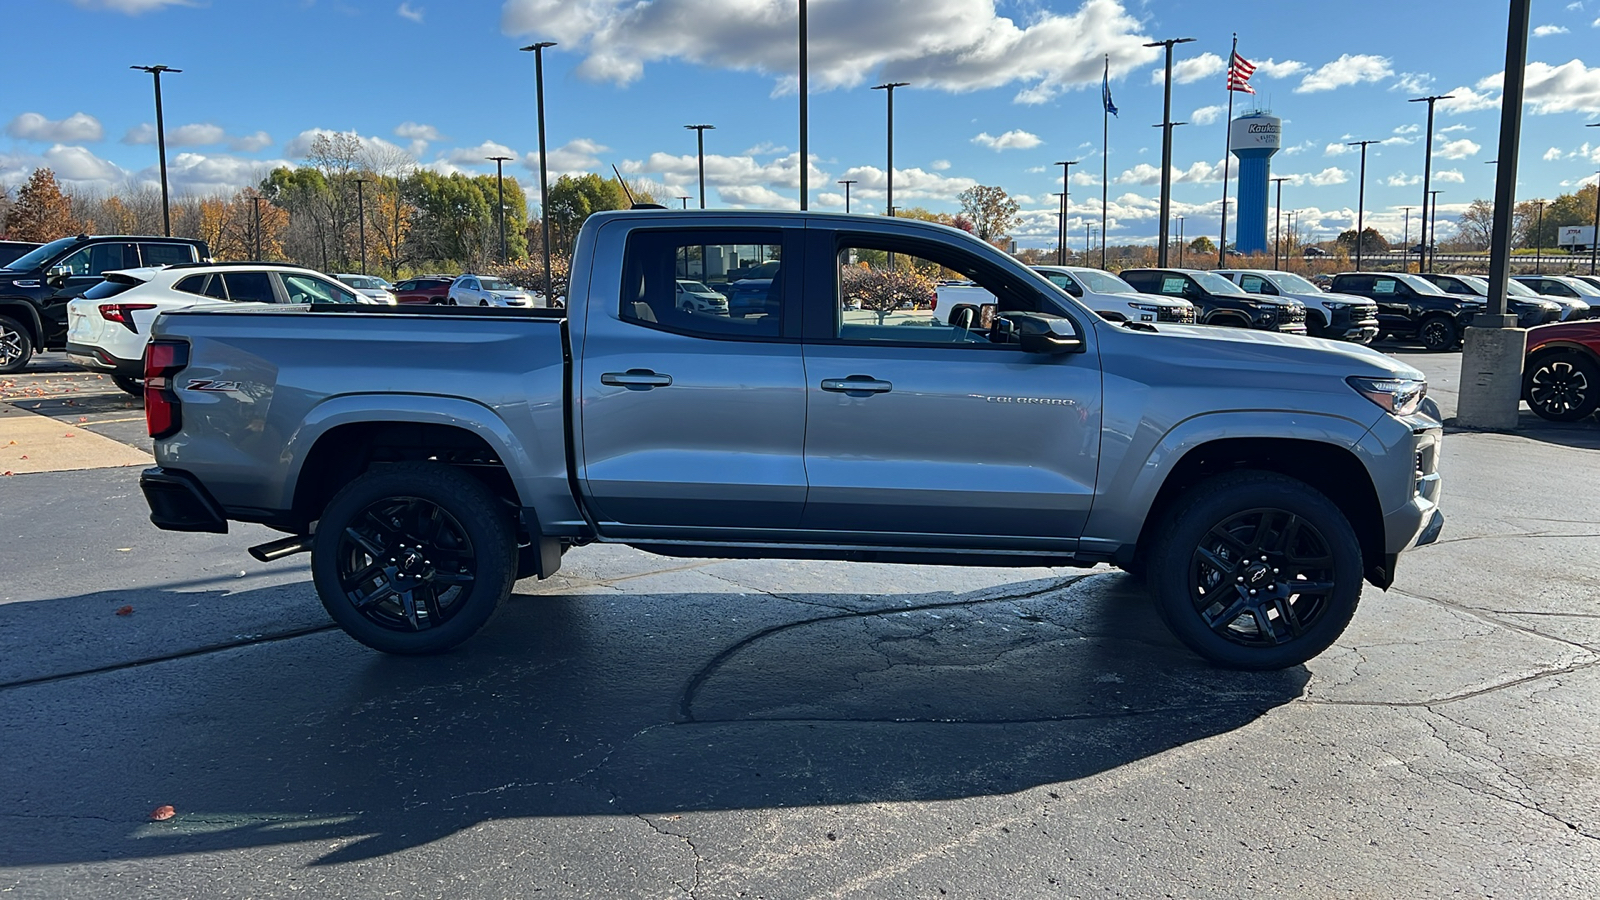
x=1383, y=286
x=744, y=267
x=97, y=259
x=1255, y=284
x=306, y=289
x=1175, y=285
x=166, y=254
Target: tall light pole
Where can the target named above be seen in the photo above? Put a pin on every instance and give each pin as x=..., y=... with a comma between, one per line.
x=1538, y=237
x=1405, y=240
x=1361, y=196
x=255, y=202
x=1277, y=226
x=161, y=143
x=847, y=182
x=805, y=140
x=500, y=188
x=1180, y=242
x=700, y=140
x=888, y=89
x=1433, y=222
x=1427, y=174
x=361, y=221
x=1166, y=149
x=1061, y=230
x=544, y=179
x=1594, y=239
x=685, y=199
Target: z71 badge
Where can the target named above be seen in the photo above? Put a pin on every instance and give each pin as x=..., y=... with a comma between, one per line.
x=213, y=387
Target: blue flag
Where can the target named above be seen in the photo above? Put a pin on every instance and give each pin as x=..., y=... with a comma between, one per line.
x=1105, y=89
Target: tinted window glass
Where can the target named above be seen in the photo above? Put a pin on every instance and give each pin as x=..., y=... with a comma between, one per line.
x=108, y=289
x=406, y=286
x=35, y=258
x=194, y=284
x=900, y=302
x=744, y=266
x=1173, y=284
x=97, y=259
x=1255, y=284
x=1105, y=283
x=1383, y=286
x=166, y=254
x=249, y=287
x=306, y=289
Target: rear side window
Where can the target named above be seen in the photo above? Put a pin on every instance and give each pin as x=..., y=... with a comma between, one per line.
x=167, y=254
x=249, y=287
x=744, y=266
x=406, y=286
x=203, y=285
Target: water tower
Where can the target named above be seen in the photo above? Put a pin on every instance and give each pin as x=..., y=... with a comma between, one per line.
x=1253, y=138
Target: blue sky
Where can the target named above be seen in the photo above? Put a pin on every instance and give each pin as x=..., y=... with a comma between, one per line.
x=1000, y=90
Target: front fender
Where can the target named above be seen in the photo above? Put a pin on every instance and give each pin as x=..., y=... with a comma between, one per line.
x=23, y=309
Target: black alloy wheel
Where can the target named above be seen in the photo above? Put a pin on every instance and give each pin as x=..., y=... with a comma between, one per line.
x=413, y=558
x=16, y=348
x=1256, y=571
x=1437, y=334
x=1562, y=387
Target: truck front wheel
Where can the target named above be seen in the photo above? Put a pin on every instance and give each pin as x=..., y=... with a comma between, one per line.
x=16, y=346
x=1255, y=570
x=413, y=558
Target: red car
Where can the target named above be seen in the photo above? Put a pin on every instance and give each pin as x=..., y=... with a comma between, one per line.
x=424, y=289
x=1561, y=371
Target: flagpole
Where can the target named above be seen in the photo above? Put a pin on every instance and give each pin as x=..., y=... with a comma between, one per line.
x=1227, y=127
x=1105, y=148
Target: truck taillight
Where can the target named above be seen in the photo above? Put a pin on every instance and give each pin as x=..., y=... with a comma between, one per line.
x=122, y=313
x=163, y=415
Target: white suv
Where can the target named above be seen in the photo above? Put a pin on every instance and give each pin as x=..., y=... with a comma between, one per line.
x=370, y=288
x=108, y=327
x=485, y=290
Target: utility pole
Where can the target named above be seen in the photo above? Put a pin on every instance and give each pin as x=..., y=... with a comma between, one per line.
x=544, y=177
x=1361, y=196
x=161, y=144
x=847, y=182
x=1166, y=148
x=1427, y=177
x=1061, y=230
x=500, y=188
x=888, y=90
x=700, y=135
x=1277, y=225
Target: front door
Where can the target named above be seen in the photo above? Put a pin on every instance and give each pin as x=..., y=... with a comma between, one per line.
x=693, y=421
x=922, y=428
x=88, y=267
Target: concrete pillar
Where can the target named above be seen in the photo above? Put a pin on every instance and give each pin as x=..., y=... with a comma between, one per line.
x=1491, y=378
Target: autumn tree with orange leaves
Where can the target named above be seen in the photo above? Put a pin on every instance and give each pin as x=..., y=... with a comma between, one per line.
x=41, y=212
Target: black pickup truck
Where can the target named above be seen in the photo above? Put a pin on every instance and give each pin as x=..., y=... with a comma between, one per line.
x=35, y=287
x=1218, y=301
x=1412, y=308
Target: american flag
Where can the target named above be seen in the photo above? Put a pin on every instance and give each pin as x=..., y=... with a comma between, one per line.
x=1239, y=74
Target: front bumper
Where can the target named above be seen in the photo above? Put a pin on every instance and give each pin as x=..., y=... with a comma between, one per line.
x=179, y=502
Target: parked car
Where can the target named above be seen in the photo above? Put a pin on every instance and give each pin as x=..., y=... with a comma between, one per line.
x=752, y=297
x=486, y=290
x=10, y=250
x=1114, y=299
x=1529, y=308
x=35, y=287
x=1589, y=279
x=1561, y=372
x=695, y=297
x=371, y=288
x=424, y=289
x=1342, y=317
x=1309, y=251
x=1578, y=296
x=1411, y=307
x=1219, y=301
x=108, y=326
x=1256, y=480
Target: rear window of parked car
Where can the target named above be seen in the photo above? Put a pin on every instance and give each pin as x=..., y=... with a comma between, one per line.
x=166, y=254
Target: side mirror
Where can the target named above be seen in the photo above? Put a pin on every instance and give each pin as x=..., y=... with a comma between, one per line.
x=57, y=276
x=1040, y=333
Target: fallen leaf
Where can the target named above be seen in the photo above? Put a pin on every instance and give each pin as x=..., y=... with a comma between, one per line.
x=162, y=813
x=7, y=472
x=68, y=434
x=125, y=611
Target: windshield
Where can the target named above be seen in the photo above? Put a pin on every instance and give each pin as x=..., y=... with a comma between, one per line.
x=1584, y=288
x=363, y=282
x=1216, y=284
x=1104, y=282
x=1480, y=285
x=36, y=257
x=695, y=287
x=1422, y=285
x=1290, y=283
x=497, y=284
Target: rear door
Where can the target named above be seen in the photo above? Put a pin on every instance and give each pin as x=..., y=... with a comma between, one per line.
x=692, y=423
x=919, y=432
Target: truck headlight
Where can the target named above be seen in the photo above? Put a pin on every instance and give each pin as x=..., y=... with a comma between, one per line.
x=1400, y=396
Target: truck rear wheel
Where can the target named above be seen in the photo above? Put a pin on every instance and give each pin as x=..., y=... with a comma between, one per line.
x=1255, y=570
x=413, y=558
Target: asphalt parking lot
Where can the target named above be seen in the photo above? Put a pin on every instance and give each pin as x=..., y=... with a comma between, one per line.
x=644, y=726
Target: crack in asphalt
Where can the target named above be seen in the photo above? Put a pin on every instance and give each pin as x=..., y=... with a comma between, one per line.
x=169, y=657
x=698, y=859
x=1457, y=698
x=1491, y=617
x=1511, y=535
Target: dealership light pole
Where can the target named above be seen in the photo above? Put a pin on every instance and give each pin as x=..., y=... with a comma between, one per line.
x=255, y=203
x=161, y=143
x=805, y=136
x=847, y=182
x=500, y=187
x=1433, y=228
x=700, y=140
x=888, y=89
x=1277, y=226
x=1061, y=230
x=544, y=179
x=685, y=200
x=1538, y=236
x=361, y=222
x=1180, y=242
x=1166, y=149
x=1427, y=173
x=1361, y=195
x=1405, y=239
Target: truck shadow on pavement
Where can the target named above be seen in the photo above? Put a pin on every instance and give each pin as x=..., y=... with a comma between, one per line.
x=612, y=703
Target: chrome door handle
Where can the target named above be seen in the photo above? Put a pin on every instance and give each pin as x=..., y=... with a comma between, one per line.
x=636, y=379
x=856, y=384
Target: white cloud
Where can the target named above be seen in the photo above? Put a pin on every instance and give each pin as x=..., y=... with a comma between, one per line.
x=1016, y=139
x=1328, y=176
x=1401, y=179
x=575, y=157
x=78, y=127
x=1299, y=148
x=1346, y=70
x=1553, y=153
x=1455, y=128
x=197, y=173
x=1206, y=115
x=1197, y=173
x=132, y=7
x=250, y=143
x=1274, y=69
x=1412, y=83
x=407, y=11
x=939, y=165
x=1458, y=149
x=1548, y=30
x=195, y=135
x=1464, y=100
x=1452, y=176
x=1413, y=128
x=1185, y=71
x=479, y=155
x=300, y=144
x=766, y=148
x=198, y=134
x=952, y=45
x=416, y=132
x=757, y=196
x=1569, y=87
x=1337, y=148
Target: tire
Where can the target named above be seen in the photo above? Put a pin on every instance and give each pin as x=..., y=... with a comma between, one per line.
x=1562, y=387
x=1437, y=333
x=129, y=384
x=399, y=600
x=16, y=347
x=1204, y=560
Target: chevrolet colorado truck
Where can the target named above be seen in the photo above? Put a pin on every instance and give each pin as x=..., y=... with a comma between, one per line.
x=428, y=457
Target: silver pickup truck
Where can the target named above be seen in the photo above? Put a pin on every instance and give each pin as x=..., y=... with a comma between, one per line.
x=428, y=457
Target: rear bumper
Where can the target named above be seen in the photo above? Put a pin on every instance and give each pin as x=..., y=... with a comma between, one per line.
x=179, y=502
x=96, y=359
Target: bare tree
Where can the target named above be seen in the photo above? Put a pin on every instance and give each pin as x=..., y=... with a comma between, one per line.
x=991, y=210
